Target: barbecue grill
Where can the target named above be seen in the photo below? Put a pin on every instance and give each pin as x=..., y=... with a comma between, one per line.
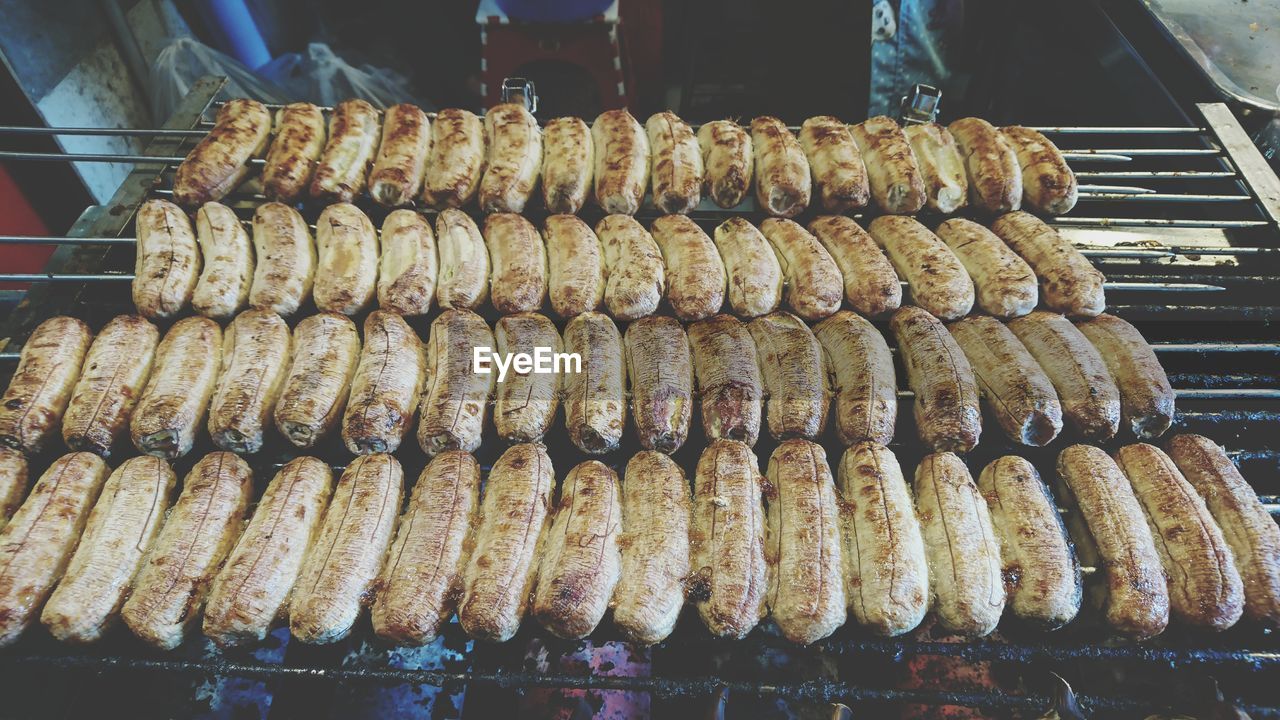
x=1184, y=222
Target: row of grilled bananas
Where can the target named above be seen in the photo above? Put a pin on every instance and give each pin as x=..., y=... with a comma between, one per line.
x=213, y=267
x=401, y=157
x=1034, y=373
x=1179, y=535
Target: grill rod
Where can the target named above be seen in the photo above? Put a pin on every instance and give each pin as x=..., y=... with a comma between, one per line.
x=121, y=277
x=1159, y=197
x=1198, y=347
x=1078, y=154
x=112, y=132
x=1155, y=175
x=1069, y=220
x=1155, y=252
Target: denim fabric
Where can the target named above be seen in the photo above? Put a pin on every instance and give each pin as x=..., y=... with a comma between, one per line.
x=911, y=47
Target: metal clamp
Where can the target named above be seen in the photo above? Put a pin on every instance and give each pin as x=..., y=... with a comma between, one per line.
x=921, y=105
x=520, y=90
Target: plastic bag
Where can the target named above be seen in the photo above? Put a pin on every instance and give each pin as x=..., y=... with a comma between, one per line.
x=322, y=77
x=185, y=60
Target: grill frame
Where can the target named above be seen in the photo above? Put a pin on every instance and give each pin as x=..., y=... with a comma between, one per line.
x=1235, y=651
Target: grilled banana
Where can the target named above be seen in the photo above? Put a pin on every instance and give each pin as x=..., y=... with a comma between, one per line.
x=464, y=262
x=175, y=401
x=859, y=370
x=1146, y=399
x=885, y=572
x=729, y=384
x=1004, y=284
x=677, y=163
x=1205, y=589
x=114, y=372
x=515, y=157
x=167, y=267
x=946, y=186
x=286, y=260
x=1048, y=185
x=526, y=401
x=897, y=185
x=794, y=374
x=595, y=404
x=1111, y=534
x=500, y=575
x=754, y=275
x=294, y=153
x=401, y=161
x=347, y=267
x=1069, y=283
x=581, y=560
x=519, y=260
x=727, y=160
x=385, y=389
x=407, y=268
x=1246, y=525
x=991, y=165
x=421, y=582
x=220, y=161
x=256, y=350
x=42, y=384
x=815, y=286
x=204, y=524
x=783, y=180
x=946, y=404
x=1016, y=390
x=935, y=277
x=567, y=164
x=38, y=541
x=870, y=283
x=635, y=275
x=622, y=162
x=455, y=395
x=120, y=528
x=695, y=275
x=1041, y=575
x=338, y=575
x=326, y=350
x=655, y=548
x=1089, y=397
x=223, y=287
x=342, y=171
x=575, y=266
x=964, y=555
x=252, y=590
x=13, y=482
x=660, y=373
x=806, y=588
x=459, y=154
x=727, y=540
x=839, y=175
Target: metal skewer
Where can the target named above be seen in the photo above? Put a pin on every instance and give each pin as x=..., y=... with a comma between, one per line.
x=1155, y=222
x=1098, y=157
x=1159, y=197
x=1114, y=190
x=1216, y=347
x=1192, y=394
x=1141, y=152
x=114, y=132
x=1154, y=175
x=122, y=277
x=92, y=157
x=1078, y=130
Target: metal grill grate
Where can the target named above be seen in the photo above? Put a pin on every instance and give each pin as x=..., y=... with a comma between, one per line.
x=1183, y=221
